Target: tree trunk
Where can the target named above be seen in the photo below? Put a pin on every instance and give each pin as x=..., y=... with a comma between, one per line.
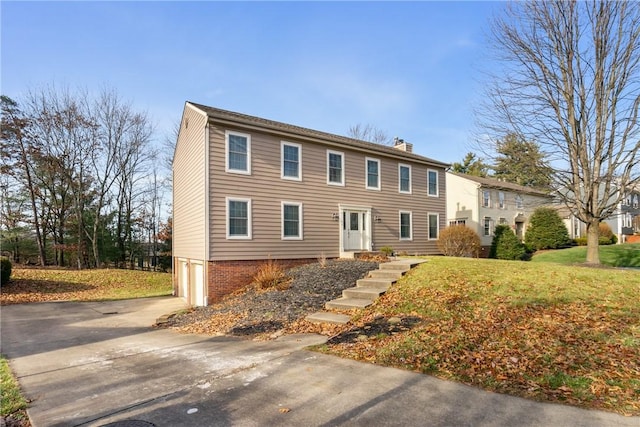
x=593, y=236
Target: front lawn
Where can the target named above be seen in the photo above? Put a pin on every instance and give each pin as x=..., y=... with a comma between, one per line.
x=13, y=405
x=37, y=285
x=537, y=330
x=627, y=255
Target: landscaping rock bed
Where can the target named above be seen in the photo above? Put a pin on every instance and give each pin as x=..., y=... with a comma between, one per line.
x=254, y=312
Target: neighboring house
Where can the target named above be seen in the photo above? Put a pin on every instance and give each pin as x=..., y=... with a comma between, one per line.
x=247, y=189
x=575, y=227
x=482, y=203
x=625, y=221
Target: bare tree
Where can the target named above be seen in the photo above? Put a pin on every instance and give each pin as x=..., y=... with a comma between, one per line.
x=369, y=133
x=571, y=82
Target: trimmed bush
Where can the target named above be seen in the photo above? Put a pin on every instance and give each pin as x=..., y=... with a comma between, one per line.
x=459, y=240
x=505, y=244
x=606, y=234
x=546, y=230
x=5, y=270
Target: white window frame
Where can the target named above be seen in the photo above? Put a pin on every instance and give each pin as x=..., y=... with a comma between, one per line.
x=400, y=166
x=502, y=204
x=636, y=201
x=461, y=221
x=486, y=232
x=299, y=147
x=486, y=201
x=519, y=202
x=227, y=168
x=410, y=238
x=429, y=215
x=249, y=234
x=437, y=193
x=366, y=174
x=300, y=222
x=342, y=161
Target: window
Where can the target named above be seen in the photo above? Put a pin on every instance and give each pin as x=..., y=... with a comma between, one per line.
x=488, y=223
x=291, y=221
x=502, y=221
x=486, y=198
x=636, y=200
x=373, y=174
x=291, y=161
x=432, y=183
x=433, y=226
x=519, y=204
x=458, y=222
x=404, y=179
x=501, y=200
x=335, y=168
x=238, y=218
x=406, y=229
x=238, y=152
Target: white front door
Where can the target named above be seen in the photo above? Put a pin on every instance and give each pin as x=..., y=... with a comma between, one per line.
x=354, y=228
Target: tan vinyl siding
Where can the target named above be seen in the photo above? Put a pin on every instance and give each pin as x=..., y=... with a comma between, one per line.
x=266, y=189
x=189, y=225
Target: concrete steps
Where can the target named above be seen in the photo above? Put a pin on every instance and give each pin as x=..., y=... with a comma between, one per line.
x=366, y=291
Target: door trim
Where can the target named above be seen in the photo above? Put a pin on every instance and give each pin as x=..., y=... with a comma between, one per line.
x=368, y=234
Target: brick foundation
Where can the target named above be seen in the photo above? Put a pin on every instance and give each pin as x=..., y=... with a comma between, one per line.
x=228, y=276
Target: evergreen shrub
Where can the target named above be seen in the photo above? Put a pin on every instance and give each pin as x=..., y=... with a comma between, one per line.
x=505, y=244
x=546, y=230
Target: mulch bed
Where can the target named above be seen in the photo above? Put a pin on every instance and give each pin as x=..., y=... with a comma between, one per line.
x=270, y=313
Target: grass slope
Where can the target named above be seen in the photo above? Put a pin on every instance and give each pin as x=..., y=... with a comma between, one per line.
x=536, y=330
x=627, y=255
x=37, y=285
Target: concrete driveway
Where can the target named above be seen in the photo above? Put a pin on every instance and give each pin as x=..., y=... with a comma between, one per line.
x=98, y=364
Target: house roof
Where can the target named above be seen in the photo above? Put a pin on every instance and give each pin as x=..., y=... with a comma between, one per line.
x=258, y=123
x=502, y=185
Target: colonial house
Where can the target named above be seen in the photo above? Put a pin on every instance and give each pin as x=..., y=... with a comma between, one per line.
x=482, y=203
x=247, y=190
x=625, y=221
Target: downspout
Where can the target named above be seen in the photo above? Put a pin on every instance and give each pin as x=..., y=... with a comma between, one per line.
x=207, y=219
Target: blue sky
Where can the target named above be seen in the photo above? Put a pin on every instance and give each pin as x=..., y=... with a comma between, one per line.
x=412, y=69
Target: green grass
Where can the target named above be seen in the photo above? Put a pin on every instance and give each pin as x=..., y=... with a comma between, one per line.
x=37, y=285
x=537, y=330
x=627, y=255
x=11, y=398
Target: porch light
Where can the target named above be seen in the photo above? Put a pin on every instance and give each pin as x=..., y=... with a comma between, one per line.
x=377, y=218
x=335, y=216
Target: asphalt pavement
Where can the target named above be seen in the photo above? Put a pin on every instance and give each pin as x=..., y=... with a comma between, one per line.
x=102, y=364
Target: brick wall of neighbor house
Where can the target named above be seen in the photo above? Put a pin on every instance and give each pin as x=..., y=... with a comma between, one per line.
x=228, y=276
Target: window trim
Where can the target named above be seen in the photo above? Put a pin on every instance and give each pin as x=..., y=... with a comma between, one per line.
x=249, y=235
x=342, y=161
x=366, y=173
x=437, y=194
x=502, y=200
x=227, y=168
x=486, y=232
x=429, y=215
x=299, y=147
x=300, y=220
x=400, y=166
x=410, y=238
x=488, y=199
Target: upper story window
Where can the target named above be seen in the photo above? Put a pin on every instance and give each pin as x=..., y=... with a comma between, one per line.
x=335, y=167
x=636, y=201
x=501, y=202
x=404, y=178
x=238, y=152
x=291, y=161
x=486, y=198
x=291, y=221
x=432, y=183
x=434, y=220
x=373, y=174
x=454, y=222
x=238, y=218
x=519, y=203
x=406, y=226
